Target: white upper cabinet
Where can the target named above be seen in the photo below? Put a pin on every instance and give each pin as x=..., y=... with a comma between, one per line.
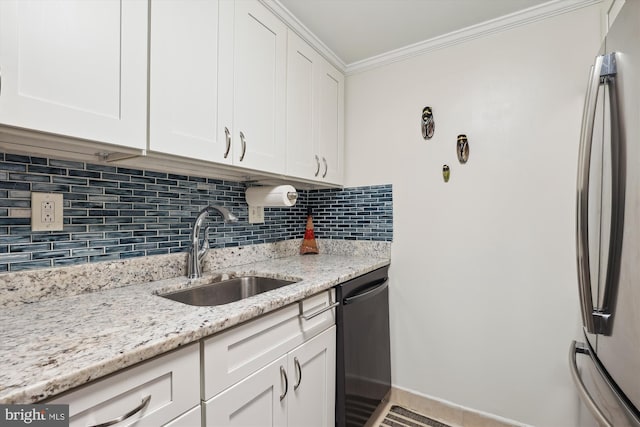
x=330, y=135
x=217, y=80
x=315, y=104
x=302, y=69
x=76, y=68
x=253, y=66
x=228, y=84
x=183, y=107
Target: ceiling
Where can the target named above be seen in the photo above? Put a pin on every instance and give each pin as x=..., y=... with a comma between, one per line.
x=356, y=30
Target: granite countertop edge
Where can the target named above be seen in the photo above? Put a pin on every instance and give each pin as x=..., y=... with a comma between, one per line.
x=118, y=328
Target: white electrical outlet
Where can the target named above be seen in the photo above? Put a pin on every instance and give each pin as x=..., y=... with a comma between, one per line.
x=46, y=212
x=256, y=214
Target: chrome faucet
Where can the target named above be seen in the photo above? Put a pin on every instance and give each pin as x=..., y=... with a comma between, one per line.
x=194, y=269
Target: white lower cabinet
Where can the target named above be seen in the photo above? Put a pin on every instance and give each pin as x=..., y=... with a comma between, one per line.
x=296, y=389
x=312, y=375
x=254, y=401
x=278, y=370
x=154, y=393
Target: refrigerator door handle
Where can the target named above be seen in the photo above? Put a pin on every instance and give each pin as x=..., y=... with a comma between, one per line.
x=585, y=396
x=604, y=315
x=582, y=199
x=599, y=320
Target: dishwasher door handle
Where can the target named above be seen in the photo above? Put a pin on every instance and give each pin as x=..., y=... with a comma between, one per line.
x=374, y=290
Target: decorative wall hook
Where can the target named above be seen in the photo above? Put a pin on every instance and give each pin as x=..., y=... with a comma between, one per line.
x=428, y=126
x=446, y=173
x=462, y=148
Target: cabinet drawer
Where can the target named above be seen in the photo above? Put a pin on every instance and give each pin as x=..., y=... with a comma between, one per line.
x=233, y=355
x=171, y=382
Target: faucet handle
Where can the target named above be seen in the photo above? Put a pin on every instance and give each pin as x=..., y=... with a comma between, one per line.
x=205, y=244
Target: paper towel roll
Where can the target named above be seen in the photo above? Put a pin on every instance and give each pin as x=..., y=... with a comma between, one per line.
x=280, y=195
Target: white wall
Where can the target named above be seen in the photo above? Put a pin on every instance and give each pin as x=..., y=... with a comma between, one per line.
x=484, y=295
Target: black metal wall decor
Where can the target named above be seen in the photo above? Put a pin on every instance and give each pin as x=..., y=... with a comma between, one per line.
x=428, y=125
x=462, y=148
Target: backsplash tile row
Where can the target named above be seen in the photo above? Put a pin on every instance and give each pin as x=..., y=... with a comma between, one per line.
x=113, y=212
x=358, y=213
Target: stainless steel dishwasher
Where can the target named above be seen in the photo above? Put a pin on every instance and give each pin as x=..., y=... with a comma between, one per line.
x=363, y=366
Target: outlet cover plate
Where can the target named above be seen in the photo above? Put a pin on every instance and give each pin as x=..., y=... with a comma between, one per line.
x=46, y=212
x=256, y=214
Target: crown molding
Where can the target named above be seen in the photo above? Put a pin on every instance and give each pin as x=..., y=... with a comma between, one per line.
x=307, y=35
x=516, y=19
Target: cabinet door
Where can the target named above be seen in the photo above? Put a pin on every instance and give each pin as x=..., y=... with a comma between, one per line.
x=312, y=372
x=183, y=110
x=75, y=68
x=315, y=110
x=330, y=142
x=254, y=401
x=259, y=67
x=302, y=69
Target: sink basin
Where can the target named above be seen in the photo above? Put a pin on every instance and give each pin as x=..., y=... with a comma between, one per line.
x=227, y=291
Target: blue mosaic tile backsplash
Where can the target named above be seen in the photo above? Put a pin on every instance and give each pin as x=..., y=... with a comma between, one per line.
x=113, y=212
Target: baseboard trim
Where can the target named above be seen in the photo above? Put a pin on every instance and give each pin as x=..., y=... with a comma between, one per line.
x=448, y=412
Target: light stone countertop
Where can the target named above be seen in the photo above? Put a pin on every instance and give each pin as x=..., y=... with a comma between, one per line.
x=53, y=345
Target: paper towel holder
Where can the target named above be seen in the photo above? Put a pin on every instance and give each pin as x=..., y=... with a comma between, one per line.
x=257, y=199
x=292, y=196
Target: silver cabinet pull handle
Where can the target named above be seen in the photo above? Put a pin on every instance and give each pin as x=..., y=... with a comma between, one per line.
x=317, y=166
x=283, y=374
x=227, y=137
x=296, y=363
x=582, y=389
x=326, y=167
x=131, y=413
x=244, y=146
x=319, y=312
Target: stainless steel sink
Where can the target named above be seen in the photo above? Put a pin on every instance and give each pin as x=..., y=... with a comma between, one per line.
x=227, y=291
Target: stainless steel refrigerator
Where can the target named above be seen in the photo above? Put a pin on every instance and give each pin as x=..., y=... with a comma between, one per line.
x=606, y=365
